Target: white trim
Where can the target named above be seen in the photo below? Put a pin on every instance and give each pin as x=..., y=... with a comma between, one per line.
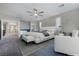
x=1, y=28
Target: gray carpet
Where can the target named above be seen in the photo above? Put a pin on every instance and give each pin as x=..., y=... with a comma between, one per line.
x=26, y=48
x=9, y=47
x=12, y=46
x=47, y=51
x=43, y=49
x=29, y=48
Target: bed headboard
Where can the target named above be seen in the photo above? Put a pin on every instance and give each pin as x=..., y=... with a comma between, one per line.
x=50, y=29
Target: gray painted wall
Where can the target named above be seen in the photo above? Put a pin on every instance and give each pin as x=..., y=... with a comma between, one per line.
x=50, y=21
x=69, y=20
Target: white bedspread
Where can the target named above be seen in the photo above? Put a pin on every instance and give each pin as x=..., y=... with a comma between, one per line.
x=36, y=37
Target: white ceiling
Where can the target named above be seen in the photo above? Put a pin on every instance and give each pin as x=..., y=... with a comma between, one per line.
x=18, y=10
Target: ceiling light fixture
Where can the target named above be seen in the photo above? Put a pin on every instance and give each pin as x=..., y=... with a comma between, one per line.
x=35, y=12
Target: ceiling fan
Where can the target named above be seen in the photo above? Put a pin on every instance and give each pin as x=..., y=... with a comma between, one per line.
x=35, y=12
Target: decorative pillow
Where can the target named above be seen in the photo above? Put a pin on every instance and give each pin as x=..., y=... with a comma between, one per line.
x=45, y=33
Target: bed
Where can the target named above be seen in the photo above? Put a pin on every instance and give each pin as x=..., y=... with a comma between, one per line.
x=38, y=37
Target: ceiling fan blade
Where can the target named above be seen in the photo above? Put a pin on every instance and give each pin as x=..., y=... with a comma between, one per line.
x=29, y=11
x=35, y=9
x=41, y=12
